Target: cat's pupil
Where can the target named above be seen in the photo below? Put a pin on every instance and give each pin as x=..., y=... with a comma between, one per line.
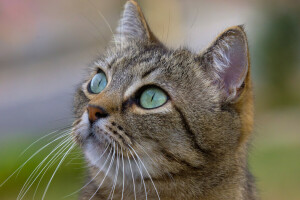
x=99, y=83
x=152, y=97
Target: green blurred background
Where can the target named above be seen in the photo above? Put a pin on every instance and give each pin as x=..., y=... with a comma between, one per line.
x=45, y=47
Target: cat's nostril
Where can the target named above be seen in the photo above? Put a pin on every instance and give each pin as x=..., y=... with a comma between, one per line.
x=101, y=115
x=96, y=112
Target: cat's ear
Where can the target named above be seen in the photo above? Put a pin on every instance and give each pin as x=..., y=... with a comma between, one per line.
x=133, y=25
x=227, y=62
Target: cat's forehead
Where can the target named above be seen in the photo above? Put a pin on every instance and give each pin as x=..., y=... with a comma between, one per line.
x=144, y=61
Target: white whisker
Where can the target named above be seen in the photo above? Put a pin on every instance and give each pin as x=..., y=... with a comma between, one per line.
x=145, y=152
x=40, y=140
x=123, y=174
x=146, y=171
x=113, y=158
x=74, y=157
x=65, y=133
x=104, y=19
x=19, y=168
x=116, y=176
x=29, y=179
x=59, y=164
x=142, y=178
x=132, y=176
x=96, y=173
x=55, y=158
x=141, y=147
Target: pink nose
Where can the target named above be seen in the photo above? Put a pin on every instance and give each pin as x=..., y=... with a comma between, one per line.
x=95, y=113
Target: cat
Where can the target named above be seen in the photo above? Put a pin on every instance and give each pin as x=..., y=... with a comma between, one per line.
x=158, y=123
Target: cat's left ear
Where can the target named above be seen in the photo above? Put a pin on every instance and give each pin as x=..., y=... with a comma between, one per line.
x=133, y=25
x=227, y=63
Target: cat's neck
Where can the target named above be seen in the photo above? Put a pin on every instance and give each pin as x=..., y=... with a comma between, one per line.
x=237, y=185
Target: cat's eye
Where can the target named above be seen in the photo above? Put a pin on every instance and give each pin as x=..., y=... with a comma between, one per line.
x=152, y=97
x=98, y=83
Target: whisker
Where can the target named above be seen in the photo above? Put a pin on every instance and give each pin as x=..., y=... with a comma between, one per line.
x=145, y=152
x=40, y=140
x=57, y=155
x=74, y=157
x=132, y=176
x=168, y=29
x=123, y=174
x=142, y=178
x=66, y=133
x=29, y=179
x=103, y=18
x=113, y=158
x=146, y=171
x=68, y=130
x=94, y=26
x=21, y=166
x=79, y=154
x=59, y=164
x=116, y=177
x=95, y=175
x=142, y=148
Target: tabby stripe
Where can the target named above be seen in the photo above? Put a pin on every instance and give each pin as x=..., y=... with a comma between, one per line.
x=132, y=62
x=171, y=157
x=147, y=73
x=126, y=105
x=139, y=58
x=109, y=65
x=190, y=133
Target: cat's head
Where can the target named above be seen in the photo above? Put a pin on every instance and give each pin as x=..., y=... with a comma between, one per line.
x=173, y=110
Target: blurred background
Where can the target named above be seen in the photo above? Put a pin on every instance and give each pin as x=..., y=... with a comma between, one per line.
x=46, y=46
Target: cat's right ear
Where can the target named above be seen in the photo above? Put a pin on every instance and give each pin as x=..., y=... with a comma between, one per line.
x=133, y=25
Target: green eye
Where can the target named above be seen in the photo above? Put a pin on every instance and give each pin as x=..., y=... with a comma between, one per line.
x=153, y=98
x=98, y=83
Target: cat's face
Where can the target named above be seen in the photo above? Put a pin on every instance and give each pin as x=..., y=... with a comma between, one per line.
x=173, y=110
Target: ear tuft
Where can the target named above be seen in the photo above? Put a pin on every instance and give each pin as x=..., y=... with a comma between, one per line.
x=133, y=25
x=227, y=62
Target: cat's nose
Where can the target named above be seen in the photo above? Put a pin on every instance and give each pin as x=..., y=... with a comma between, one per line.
x=96, y=112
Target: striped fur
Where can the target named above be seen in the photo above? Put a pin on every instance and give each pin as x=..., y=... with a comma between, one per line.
x=194, y=146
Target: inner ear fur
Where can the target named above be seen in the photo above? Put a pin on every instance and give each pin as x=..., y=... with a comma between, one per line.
x=227, y=63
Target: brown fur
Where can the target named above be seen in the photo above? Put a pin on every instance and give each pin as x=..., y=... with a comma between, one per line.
x=194, y=146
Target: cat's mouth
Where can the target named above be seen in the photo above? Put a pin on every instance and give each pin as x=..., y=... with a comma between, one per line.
x=100, y=132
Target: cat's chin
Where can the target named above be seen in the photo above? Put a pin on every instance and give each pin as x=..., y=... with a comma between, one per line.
x=96, y=151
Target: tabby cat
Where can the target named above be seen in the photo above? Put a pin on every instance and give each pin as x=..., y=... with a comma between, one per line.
x=158, y=123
